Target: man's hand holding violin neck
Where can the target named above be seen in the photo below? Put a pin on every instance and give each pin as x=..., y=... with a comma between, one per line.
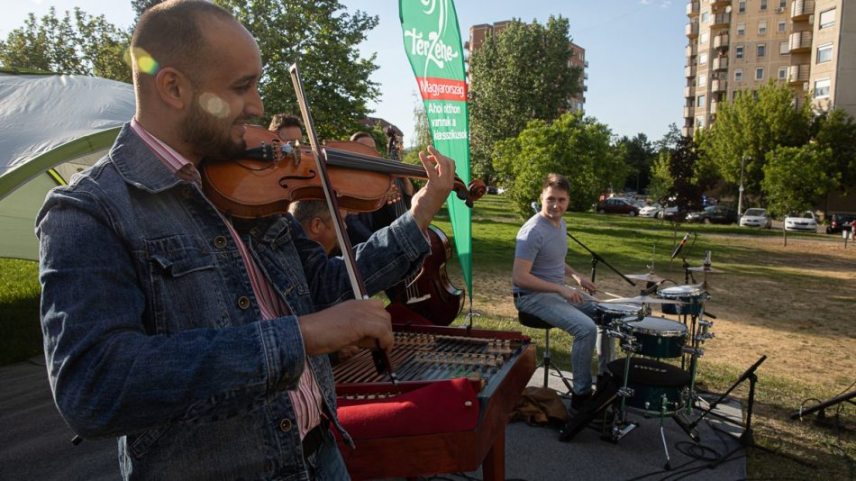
x=441, y=179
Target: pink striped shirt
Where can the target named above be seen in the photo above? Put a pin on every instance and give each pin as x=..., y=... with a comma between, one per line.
x=307, y=397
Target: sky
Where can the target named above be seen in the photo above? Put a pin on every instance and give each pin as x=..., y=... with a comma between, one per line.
x=635, y=50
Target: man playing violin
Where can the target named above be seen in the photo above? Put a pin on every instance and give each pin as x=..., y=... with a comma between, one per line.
x=199, y=343
x=538, y=278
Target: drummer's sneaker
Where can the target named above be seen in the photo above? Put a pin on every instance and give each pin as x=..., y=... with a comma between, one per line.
x=580, y=400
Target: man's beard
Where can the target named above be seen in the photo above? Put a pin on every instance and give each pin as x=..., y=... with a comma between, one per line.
x=209, y=136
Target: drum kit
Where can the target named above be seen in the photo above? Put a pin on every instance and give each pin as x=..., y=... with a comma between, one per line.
x=645, y=382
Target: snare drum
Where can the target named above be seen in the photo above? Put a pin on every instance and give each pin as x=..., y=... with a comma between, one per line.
x=693, y=298
x=659, y=337
x=607, y=313
x=657, y=386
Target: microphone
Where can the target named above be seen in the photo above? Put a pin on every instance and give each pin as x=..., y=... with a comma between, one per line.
x=680, y=246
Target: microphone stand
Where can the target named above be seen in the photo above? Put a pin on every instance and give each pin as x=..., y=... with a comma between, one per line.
x=595, y=258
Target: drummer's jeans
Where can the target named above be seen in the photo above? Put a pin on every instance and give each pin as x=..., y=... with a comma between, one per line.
x=576, y=320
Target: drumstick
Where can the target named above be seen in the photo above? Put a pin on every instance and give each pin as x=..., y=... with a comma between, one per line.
x=611, y=294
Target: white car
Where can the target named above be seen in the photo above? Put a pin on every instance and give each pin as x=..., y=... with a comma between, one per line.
x=756, y=218
x=650, y=210
x=804, y=222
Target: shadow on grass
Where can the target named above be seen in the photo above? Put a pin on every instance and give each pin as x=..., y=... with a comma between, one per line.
x=22, y=334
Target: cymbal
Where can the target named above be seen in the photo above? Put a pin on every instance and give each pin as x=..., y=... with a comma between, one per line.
x=647, y=277
x=643, y=300
x=710, y=270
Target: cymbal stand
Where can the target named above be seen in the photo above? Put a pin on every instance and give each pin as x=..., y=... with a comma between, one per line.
x=620, y=426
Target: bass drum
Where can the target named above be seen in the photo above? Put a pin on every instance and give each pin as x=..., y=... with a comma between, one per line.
x=657, y=386
x=659, y=337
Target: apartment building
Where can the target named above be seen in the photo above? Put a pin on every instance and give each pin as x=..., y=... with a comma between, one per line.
x=478, y=34
x=738, y=45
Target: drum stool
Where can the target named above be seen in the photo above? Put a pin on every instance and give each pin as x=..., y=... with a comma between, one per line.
x=535, y=322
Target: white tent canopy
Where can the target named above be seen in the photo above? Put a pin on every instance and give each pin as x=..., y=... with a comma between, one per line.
x=52, y=126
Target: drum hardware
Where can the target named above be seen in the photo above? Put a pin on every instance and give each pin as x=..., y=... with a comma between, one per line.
x=643, y=299
x=595, y=258
x=648, y=277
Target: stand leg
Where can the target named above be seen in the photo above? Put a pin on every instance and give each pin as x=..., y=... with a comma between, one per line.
x=663, y=402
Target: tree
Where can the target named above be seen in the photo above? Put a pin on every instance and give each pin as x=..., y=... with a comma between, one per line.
x=322, y=38
x=837, y=132
x=140, y=6
x=576, y=147
x=638, y=155
x=795, y=178
x=77, y=43
x=751, y=126
x=516, y=76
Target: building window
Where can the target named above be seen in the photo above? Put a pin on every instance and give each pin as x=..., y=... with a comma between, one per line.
x=702, y=58
x=699, y=121
x=762, y=49
x=704, y=17
x=703, y=38
x=821, y=88
x=738, y=51
x=783, y=4
x=700, y=101
x=759, y=73
x=784, y=49
x=741, y=6
x=741, y=29
x=827, y=18
x=783, y=73
x=824, y=53
x=782, y=26
x=702, y=80
x=763, y=5
x=762, y=27
x=738, y=75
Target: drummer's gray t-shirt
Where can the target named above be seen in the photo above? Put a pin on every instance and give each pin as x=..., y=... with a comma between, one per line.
x=544, y=244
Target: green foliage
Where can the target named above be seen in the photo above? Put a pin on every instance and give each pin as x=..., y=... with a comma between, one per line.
x=795, y=178
x=576, y=147
x=837, y=132
x=516, y=76
x=77, y=43
x=638, y=155
x=752, y=126
x=662, y=183
x=322, y=38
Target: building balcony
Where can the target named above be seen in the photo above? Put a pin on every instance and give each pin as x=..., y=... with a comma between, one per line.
x=687, y=131
x=690, y=71
x=689, y=92
x=691, y=29
x=720, y=20
x=800, y=42
x=798, y=74
x=720, y=41
x=719, y=85
x=802, y=10
x=719, y=63
x=719, y=3
x=714, y=104
x=691, y=50
x=692, y=9
x=689, y=112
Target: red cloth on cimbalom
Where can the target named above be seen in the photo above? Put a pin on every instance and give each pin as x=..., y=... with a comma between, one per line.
x=440, y=407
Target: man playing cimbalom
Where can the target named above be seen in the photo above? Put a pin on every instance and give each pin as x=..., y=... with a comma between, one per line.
x=538, y=279
x=201, y=344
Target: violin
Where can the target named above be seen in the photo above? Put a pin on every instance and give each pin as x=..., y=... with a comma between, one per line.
x=274, y=173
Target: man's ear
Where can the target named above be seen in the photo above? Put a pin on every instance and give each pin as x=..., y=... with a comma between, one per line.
x=173, y=88
x=315, y=226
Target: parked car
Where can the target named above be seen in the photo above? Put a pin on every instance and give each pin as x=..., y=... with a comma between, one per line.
x=804, y=221
x=714, y=214
x=839, y=222
x=667, y=213
x=617, y=205
x=650, y=210
x=756, y=218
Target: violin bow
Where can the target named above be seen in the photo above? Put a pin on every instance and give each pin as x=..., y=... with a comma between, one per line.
x=380, y=357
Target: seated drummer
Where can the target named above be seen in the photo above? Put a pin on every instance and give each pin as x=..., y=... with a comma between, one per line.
x=538, y=279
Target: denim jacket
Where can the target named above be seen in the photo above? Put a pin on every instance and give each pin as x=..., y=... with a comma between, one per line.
x=152, y=331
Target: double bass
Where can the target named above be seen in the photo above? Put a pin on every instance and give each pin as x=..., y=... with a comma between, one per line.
x=428, y=293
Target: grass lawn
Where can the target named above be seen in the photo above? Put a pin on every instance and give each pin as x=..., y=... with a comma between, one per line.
x=793, y=303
